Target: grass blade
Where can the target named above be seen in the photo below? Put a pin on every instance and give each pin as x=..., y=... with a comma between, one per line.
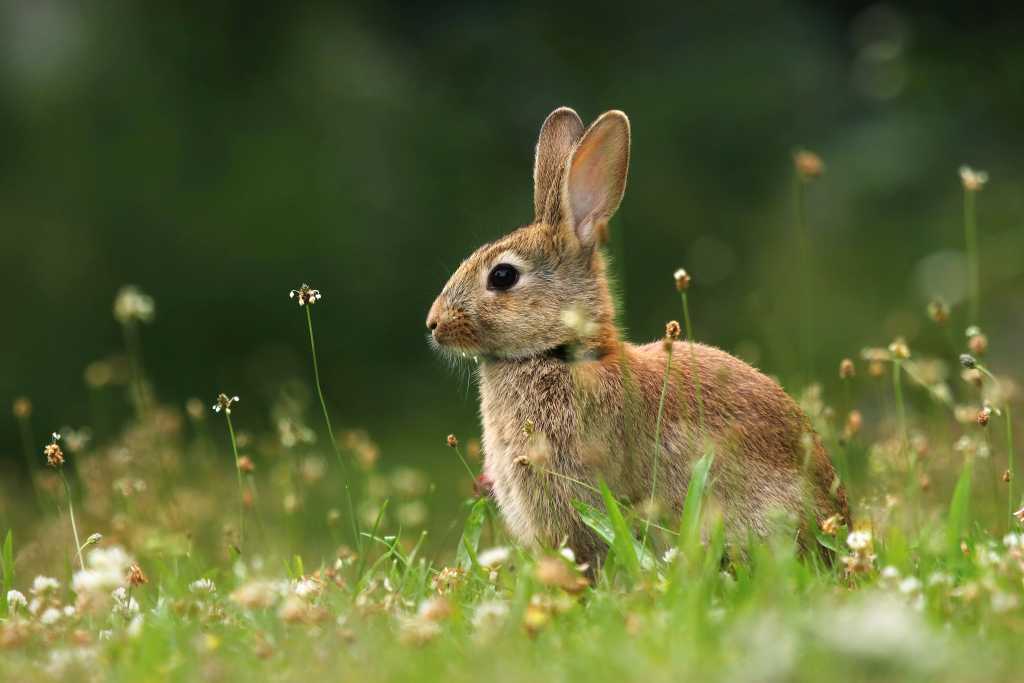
x=959, y=510
x=7, y=564
x=689, y=526
x=623, y=542
x=470, y=541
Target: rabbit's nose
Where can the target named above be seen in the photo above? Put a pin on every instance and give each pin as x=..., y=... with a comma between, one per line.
x=434, y=316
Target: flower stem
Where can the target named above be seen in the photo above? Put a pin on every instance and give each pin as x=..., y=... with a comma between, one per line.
x=693, y=360
x=804, y=253
x=134, y=346
x=71, y=513
x=469, y=470
x=1010, y=457
x=330, y=433
x=238, y=472
x=901, y=412
x=971, y=243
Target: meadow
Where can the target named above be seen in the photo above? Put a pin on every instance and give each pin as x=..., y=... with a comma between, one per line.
x=177, y=542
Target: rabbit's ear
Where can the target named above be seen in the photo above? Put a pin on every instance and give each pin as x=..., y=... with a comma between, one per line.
x=595, y=177
x=561, y=129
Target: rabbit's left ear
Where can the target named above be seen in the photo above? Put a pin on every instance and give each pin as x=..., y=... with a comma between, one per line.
x=560, y=131
x=595, y=178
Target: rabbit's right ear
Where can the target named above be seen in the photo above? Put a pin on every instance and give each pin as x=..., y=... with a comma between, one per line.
x=560, y=132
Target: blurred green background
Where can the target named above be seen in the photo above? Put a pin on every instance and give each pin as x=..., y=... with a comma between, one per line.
x=217, y=157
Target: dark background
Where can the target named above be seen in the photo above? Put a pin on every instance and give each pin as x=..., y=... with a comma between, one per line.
x=218, y=156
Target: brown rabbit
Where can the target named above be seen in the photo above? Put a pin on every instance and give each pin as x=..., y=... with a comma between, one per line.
x=565, y=403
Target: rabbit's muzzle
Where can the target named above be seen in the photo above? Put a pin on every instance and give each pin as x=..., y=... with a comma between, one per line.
x=451, y=326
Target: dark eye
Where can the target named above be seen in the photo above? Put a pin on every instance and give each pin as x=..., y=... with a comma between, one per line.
x=502, y=277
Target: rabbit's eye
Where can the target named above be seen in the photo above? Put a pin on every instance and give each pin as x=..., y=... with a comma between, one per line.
x=502, y=277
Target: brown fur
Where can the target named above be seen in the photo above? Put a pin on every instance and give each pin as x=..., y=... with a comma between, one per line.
x=593, y=414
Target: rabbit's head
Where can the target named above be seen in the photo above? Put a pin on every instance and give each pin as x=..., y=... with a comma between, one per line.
x=543, y=288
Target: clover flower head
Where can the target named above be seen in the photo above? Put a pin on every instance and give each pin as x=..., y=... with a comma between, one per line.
x=224, y=403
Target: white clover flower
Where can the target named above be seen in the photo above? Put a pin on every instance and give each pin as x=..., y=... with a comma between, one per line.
x=41, y=585
x=124, y=605
x=1012, y=540
x=909, y=585
x=307, y=588
x=890, y=572
x=50, y=616
x=203, y=585
x=493, y=557
x=305, y=295
x=69, y=611
x=105, y=570
x=15, y=599
x=489, y=617
x=859, y=540
x=224, y=403
x=670, y=555
x=131, y=304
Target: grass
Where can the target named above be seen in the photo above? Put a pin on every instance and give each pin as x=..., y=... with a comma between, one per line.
x=927, y=585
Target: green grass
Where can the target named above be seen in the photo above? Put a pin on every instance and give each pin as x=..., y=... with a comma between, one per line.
x=927, y=585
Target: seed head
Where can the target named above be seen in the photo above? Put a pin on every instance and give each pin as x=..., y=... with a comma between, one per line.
x=132, y=305
x=830, y=525
x=978, y=344
x=1019, y=514
x=1007, y=476
x=968, y=361
x=672, y=331
x=52, y=451
x=136, y=577
x=971, y=179
x=246, y=464
x=984, y=415
x=847, y=369
x=22, y=408
x=93, y=540
x=305, y=295
x=938, y=311
x=682, y=280
x=854, y=421
x=809, y=165
x=899, y=349
x=452, y=441
x=224, y=403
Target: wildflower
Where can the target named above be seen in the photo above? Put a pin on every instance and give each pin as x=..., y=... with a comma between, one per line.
x=670, y=555
x=308, y=588
x=246, y=464
x=124, y=604
x=968, y=361
x=305, y=295
x=854, y=421
x=255, y=594
x=202, y=586
x=92, y=540
x=672, y=331
x=452, y=441
x=1007, y=477
x=831, y=525
x=808, y=165
x=978, y=344
x=448, y=579
x=983, y=416
x=136, y=577
x=493, y=557
x=1019, y=514
x=22, y=408
x=43, y=585
x=52, y=451
x=194, y=409
x=15, y=599
x=434, y=609
x=938, y=311
x=909, y=585
x=971, y=179
x=683, y=280
x=847, y=369
x=105, y=569
x=862, y=558
x=489, y=617
x=557, y=573
x=899, y=349
x=50, y=616
x=859, y=540
x=132, y=305
x=224, y=403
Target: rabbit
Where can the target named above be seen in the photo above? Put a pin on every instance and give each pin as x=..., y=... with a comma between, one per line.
x=566, y=403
